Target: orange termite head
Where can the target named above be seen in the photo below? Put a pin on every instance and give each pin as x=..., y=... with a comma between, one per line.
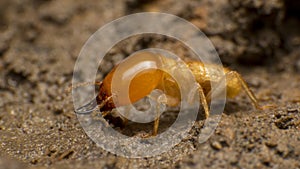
x=139, y=71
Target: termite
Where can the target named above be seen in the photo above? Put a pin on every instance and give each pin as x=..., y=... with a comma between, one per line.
x=147, y=81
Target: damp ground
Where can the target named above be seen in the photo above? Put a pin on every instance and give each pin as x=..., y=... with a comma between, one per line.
x=39, y=44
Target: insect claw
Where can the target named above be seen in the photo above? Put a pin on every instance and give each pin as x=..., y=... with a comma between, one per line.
x=87, y=108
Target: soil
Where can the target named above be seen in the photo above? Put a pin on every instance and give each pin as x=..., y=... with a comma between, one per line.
x=40, y=41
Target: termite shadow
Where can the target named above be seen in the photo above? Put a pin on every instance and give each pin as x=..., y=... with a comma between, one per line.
x=132, y=128
x=233, y=107
x=167, y=119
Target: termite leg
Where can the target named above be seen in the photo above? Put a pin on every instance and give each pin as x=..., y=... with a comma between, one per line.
x=234, y=74
x=156, y=121
x=203, y=101
x=124, y=119
x=105, y=113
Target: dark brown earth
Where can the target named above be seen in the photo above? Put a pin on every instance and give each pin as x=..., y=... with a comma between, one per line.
x=40, y=41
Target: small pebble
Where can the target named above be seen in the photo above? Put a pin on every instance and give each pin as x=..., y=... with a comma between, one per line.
x=271, y=143
x=216, y=145
x=58, y=110
x=292, y=110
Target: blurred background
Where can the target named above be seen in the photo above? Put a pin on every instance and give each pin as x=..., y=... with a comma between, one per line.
x=41, y=39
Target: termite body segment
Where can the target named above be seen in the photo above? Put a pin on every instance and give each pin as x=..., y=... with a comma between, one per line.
x=149, y=78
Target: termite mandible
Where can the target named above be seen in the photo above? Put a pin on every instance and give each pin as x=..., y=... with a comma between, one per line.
x=147, y=81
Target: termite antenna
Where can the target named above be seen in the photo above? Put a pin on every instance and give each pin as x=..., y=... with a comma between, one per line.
x=69, y=89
